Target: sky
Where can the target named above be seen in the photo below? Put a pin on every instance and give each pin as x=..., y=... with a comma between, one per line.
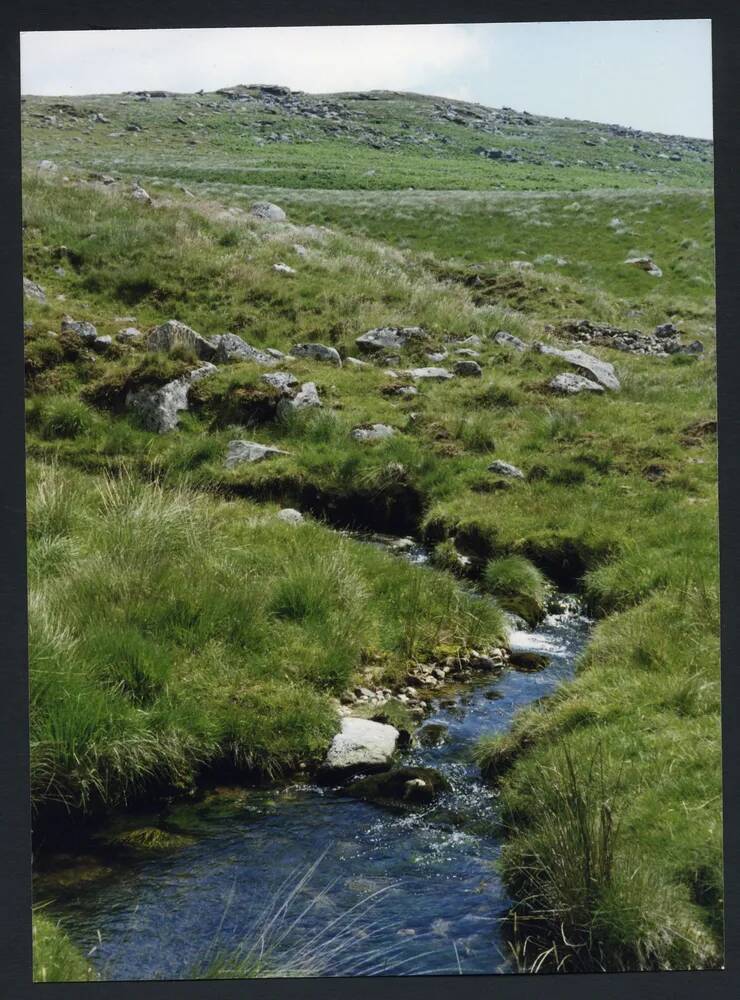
x=651, y=75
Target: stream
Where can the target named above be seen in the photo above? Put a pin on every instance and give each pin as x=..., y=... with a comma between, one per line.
x=367, y=890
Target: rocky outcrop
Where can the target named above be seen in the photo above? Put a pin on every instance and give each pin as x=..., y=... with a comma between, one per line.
x=249, y=451
x=361, y=745
x=317, y=352
x=601, y=371
x=392, y=338
x=173, y=334
x=233, y=348
x=663, y=341
x=159, y=409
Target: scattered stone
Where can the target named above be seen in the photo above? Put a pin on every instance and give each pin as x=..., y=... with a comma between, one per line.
x=436, y=374
x=129, y=334
x=140, y=194
x=646, y=264
x=233, y=348
x=283, y=268
x=317, y=352
x=372, y=432
x=290, y=516
x=306, y=399
x=504, y=339
x=280, y=380
x=573, y=384
x=267, y=211
x=506, y=469
x=361, y=744
x=389, y=337
x=601, y=371
x=159, y=408
x=173, y=334
x=468, y=369
x=249, y=451
x=356, y=363
x=84, y=330
x=33, y=291
x=467, y=352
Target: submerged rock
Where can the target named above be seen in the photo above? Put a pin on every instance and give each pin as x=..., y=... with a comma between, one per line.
x=173, y=334
x=406, y=786
x=361, y=744
x=249, y=451
x=527, y=661
x=432, y=734
x=317, y=352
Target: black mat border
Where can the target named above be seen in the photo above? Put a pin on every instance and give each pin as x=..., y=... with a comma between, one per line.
x=15, y=897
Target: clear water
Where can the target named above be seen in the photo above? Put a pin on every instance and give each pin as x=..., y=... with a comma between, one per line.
x=394, y=892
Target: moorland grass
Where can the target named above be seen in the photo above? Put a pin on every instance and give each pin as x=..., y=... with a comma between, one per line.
x=55, y=958
x=148, y=668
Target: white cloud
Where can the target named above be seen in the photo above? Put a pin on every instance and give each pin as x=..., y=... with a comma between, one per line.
x=317, y=59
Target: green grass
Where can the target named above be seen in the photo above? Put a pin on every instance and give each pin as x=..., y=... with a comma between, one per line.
x=55, y=959
x=171, y=632
x=153, y=659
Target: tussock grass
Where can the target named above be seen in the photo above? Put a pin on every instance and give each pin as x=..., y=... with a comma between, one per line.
x=55, y=959
x=518, y=586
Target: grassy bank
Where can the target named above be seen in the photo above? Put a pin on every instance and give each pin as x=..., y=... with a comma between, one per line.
x=55, y=958
x=177, y=625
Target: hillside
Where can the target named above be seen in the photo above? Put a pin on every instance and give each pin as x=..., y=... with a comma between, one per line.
x=139, y=209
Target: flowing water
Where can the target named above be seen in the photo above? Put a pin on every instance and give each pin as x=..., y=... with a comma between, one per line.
x=394, y=892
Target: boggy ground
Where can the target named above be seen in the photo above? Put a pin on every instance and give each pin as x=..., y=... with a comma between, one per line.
x=151, y=658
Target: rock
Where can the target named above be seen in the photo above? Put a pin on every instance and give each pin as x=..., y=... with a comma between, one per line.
x=406, y=391
x=317, y=352
x=102, y=343
x=275, y=353
x=389, y=337
x=521, y=265
x=233, y=348
x=527, y=661
x=601, y=371
x=361, y=745
x=467, y=352
x=573, y=384
x=47, y=165
x=646, y=264
x=504, y=339
x=84, y=330
x=372, y=432
x=436, y=355
x=129, y=334
x=506, y=469
x=401, y=786
x=33, y=291
x=664, y=339
x=306, y=399
x=267, y=211
x=666, y=330
x=356, y=363
x=173, y=334
x=436, y=374
x=432, y=734
x=159, y=408
x=280, y=380
x=468, y=369
x=300, y=249
x=290, y=516
x=283, y=268
x=140, y=194
x=249, y=451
